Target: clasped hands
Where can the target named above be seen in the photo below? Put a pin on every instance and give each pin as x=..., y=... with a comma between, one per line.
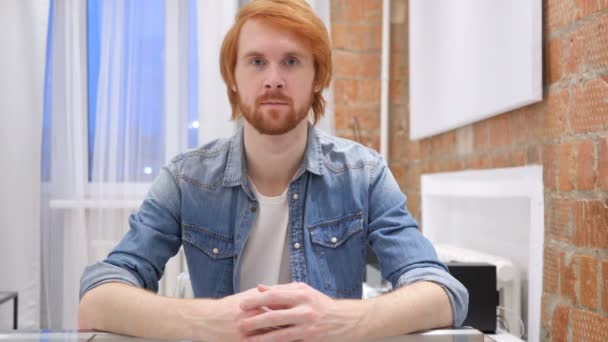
x=295, y=312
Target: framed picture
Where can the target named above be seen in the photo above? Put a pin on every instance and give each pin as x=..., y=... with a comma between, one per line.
x=470, y=60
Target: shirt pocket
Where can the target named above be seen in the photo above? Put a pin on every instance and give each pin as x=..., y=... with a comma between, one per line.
x=339, y=246
x=210, y=258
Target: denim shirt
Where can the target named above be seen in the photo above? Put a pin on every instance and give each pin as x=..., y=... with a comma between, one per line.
x=342, y=197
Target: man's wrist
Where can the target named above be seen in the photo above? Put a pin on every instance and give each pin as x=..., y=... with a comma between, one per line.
x=193, y=313
x=359, y=313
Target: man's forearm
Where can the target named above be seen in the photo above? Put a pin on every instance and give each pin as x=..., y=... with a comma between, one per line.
x=419, y=306
x=128, y=310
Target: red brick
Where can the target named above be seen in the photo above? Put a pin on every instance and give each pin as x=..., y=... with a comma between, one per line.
x=398, y=147
x=602, y=165
x=590, y=106
x=443, y=144
x=347, y=11
x=481, y=133
x=399, y=38
x=588, y=281
x=605, y=285
x=369, y=65
x=588, y=326
x=346, y=64
x=553, y=116
x=567, y=276
x=398, y=91
x=398, y=120
x=545, y=311
x=566, y=167
x=551, y=269
x=553, y=61
x=518, y=158
x=586, y=7
x=412, y=150
x=340, y=39
x=523, y=124
x=559, y=324
x=585, y=172
x=557, y=13
x=365, y=37
x=369, y=91
x=560, y=220
x=573, y=53
x=399, y=66
x=550, y=166
x=533, y=155
x=356, y=37
x=591, y=220
x=425, y=148
x=595, y=43
x=499, y=131
x=346, y=91
x=367, y=116
x=501, y=160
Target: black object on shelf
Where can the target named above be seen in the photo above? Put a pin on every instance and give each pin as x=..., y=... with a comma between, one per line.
x=6, y=296
x=480, y=280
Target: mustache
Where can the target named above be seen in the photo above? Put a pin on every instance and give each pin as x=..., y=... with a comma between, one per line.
x=273, y=96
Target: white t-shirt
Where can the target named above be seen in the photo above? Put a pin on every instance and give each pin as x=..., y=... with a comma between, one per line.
x=265, y=258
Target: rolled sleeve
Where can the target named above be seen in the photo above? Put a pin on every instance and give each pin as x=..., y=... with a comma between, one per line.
x=102, y=273
x=457, y=293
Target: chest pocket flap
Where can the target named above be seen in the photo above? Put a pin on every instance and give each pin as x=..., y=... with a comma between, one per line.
x=336, y=232
x=215, y=245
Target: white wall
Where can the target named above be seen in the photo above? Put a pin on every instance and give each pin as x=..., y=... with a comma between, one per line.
x=22, y=56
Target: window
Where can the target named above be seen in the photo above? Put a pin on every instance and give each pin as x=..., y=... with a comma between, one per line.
x=133, y=74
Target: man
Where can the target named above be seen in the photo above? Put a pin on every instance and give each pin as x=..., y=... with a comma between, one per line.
x=274, y=221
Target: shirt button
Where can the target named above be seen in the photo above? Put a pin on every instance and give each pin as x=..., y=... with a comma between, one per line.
x=334, y=239
x=296, y=245
x=295, y=196
x=253, y=209
x=216, y=251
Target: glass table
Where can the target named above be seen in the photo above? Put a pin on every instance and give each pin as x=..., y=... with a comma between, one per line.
x=440, y=335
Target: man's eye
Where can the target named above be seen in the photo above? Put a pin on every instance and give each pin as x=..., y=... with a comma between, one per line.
x=257, y=62
x=292, y=61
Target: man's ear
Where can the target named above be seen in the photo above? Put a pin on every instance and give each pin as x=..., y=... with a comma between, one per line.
x=233, y=87
x=317, y=88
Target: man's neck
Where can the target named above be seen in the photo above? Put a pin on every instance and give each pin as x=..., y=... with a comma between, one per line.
x=272, y=160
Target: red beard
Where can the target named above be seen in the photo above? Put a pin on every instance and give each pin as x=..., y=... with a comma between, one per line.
x=272, y=121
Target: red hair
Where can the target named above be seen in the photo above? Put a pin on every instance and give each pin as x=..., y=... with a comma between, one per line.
x=295, y=16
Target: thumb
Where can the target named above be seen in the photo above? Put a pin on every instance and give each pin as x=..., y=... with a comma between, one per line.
x=263, y=288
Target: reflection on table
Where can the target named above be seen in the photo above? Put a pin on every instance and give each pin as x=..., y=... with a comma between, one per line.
x=441, y=335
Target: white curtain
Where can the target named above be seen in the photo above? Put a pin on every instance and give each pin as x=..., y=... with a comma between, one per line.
x=63, y=220
x=22, y=46
x=139, y=123
x=214, y=20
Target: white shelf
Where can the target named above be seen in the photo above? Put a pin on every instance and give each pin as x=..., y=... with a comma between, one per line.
x=85, y=203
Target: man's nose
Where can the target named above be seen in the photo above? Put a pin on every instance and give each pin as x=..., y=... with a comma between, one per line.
x=274, y=79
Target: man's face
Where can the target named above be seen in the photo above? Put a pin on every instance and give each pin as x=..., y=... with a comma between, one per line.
x=274, y=77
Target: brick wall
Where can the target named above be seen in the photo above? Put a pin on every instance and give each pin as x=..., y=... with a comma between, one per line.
x=567, y=133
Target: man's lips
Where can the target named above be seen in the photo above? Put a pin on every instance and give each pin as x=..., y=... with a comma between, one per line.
x=274, y=103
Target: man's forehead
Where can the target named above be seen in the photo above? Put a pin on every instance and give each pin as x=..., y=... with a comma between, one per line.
x=258, y=37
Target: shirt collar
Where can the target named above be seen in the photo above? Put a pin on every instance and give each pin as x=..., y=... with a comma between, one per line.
x=236, y=168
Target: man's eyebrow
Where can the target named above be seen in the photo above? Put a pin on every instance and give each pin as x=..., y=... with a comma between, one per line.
x=254, y=53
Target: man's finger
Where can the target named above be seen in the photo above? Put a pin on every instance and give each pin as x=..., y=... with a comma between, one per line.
x=282, y=299
x=272, y=319
x=293, y=333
